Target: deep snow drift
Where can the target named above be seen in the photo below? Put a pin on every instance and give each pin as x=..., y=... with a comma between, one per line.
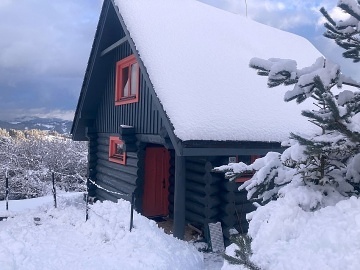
x=287, y=237
x=63, y=240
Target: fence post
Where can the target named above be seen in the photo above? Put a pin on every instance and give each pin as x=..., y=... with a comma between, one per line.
x=132, y=211
x=87, y=201
x=53, y=188
x=7, y=190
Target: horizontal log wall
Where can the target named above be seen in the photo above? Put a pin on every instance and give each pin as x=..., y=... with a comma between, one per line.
x=234, y=208
x=202, y=192
x=92, y=161
x=116, y=177
x=211, y=198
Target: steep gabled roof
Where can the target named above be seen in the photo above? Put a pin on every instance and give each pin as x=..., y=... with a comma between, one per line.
x=109, y=31
x=197, y=58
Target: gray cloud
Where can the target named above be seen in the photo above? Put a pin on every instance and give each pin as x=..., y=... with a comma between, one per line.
x=44, y=48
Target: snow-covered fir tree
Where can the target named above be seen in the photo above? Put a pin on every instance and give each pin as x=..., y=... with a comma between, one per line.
x=327, y=164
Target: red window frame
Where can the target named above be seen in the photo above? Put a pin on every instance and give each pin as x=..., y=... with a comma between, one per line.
x=124, y=78
x=113, y=156
x=247, y=176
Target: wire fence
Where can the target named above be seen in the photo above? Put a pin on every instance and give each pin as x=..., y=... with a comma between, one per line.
x=87, y=199
x=132, y=201
x=8, y=190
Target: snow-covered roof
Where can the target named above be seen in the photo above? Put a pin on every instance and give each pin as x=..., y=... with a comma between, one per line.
x=197, y=57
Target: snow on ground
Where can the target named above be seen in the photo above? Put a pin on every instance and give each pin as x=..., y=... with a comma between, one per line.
x=63, y=240
x=287, y=237
x=284, y=237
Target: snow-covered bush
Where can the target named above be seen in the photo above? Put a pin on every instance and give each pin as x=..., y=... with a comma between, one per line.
x=30, y=157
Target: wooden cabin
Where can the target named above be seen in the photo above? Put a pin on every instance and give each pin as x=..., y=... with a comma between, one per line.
x=168, y=94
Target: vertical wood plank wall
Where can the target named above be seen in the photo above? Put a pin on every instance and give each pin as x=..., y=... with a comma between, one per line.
x=143, y=115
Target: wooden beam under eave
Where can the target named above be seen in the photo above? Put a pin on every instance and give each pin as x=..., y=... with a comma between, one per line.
x=113, y=46
x=229, y=151
x=179, y=198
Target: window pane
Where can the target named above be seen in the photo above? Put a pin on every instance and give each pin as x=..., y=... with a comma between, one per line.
x=134, y=78
x=125, y=82
x=119, y=149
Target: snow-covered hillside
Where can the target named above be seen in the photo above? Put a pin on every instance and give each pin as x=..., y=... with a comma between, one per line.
x=26, y=123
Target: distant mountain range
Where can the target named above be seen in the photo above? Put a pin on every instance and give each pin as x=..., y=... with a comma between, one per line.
x=52, y=124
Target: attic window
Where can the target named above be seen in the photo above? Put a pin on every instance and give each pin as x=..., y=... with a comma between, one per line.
x=116, y=150
x=127, y=81
x=247, y=160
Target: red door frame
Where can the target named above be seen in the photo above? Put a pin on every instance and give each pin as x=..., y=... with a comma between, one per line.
x=156, y=182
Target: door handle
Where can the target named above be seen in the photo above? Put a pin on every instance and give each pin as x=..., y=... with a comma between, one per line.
x=163, y=183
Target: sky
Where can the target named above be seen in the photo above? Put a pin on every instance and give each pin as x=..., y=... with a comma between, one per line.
x=45, y=46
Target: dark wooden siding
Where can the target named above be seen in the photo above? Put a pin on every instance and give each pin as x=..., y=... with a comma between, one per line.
x=144, y=115
x=92, y=161
x=202, y=192
x=116, y=177
x=211, y=198
x=234, y=208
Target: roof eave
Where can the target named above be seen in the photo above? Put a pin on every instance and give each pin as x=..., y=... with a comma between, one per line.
x=229, y=148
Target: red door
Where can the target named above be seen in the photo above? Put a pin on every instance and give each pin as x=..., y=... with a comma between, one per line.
x=156, y=184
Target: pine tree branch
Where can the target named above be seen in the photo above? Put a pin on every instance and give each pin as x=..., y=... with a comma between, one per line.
x=345, y=7
x=327, y=16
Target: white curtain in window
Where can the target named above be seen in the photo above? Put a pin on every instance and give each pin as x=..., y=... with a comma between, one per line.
x=134, y=78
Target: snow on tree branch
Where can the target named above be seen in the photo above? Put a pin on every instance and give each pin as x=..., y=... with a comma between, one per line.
x=345, y=33
x=326, y=159
x=285, y=71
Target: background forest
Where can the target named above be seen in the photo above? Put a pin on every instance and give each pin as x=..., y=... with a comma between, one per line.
x=29, y=157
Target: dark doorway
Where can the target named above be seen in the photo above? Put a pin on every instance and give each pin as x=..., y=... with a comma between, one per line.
x=156, y=184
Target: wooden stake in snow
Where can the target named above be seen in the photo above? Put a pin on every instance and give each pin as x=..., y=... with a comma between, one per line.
x=132, y=211
x=7, y=190
x=87, y=200
x=53, y=188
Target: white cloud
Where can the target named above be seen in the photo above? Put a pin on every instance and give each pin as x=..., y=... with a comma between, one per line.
x=285, y=14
